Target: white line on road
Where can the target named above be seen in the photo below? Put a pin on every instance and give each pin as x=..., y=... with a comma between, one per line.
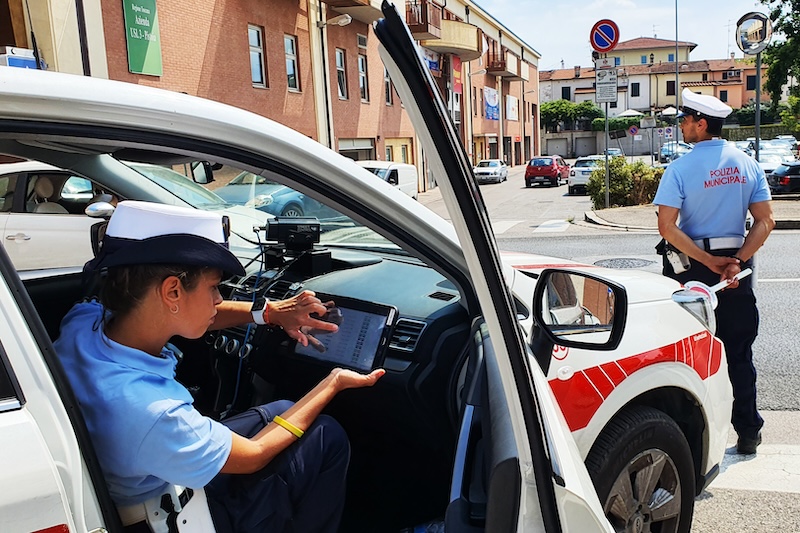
x=501, y=226
x=778, y=280
x=552, y=226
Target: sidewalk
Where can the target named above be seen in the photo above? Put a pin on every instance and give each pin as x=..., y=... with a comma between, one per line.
x=643, y=217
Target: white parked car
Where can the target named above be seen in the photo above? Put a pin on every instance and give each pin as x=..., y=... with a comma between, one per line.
x=491, y=170
x=42, y=217
x=581, y=170
x=519, y=388
x=401, y=175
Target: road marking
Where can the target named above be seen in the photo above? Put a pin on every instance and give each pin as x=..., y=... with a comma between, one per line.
x=776, y=468
x=501, y=226
x=778, y=280
x=552, y=226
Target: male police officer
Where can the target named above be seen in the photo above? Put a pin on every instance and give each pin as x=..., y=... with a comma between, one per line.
x=711, y=188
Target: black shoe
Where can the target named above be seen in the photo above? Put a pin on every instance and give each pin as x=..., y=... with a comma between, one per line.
x=747, y=446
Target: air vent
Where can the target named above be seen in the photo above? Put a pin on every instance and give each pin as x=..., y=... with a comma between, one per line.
x=444, y=296
x=362, y=40
x=281, y=289
x=406, y=335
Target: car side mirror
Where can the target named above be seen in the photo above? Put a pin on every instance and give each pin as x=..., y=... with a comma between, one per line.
x=576, y=310
x=203, y=172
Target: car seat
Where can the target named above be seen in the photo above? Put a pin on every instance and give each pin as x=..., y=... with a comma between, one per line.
x=43, y=193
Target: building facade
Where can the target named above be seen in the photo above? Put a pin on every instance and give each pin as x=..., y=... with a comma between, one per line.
x=312, y=65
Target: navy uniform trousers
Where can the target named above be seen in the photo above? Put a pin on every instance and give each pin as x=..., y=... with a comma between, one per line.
x=301, y=490
x=737, y=328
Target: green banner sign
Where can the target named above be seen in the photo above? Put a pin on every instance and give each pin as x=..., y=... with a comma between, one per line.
x=142, y=37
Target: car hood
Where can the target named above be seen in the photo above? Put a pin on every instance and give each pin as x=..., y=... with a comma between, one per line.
x=641, y=286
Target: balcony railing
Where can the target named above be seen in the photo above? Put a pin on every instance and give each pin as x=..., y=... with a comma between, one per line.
x=424, y=19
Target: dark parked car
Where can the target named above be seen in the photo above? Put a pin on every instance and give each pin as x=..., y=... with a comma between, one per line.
x=257, y=191
x=550, y=169
x=673, y=150
x=785, y=178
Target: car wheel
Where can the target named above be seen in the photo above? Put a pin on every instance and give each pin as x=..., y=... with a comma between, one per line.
x=554, y=183
x=571, y=190
x=528, y=183
x=292, y=211
x=641, y=467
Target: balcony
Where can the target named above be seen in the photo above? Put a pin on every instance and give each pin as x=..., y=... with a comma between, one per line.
x=424, y=19
x=366, y=11
x=504, y=64
x=457, y=38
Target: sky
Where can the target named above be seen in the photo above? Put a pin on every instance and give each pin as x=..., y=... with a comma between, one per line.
x=559, y=29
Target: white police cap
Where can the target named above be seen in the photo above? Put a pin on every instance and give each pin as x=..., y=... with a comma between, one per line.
x=149, y=233
x=703, y=104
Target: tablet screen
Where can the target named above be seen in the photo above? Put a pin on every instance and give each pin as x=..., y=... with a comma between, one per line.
x=362, y=338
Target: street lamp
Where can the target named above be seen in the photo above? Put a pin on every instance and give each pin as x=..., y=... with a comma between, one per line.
x=341, y=20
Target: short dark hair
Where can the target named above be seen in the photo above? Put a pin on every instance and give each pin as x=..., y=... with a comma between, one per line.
x=714, y=125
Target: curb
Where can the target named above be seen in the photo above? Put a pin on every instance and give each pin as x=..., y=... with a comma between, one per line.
x=592, y=218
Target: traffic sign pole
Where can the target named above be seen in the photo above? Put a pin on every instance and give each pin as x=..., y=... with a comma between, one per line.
x=603, y=38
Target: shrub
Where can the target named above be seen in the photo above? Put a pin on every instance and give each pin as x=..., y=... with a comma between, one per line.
x=629, y=183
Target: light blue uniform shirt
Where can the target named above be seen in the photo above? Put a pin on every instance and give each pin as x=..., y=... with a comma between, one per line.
x=144, y=428
x=713, y=185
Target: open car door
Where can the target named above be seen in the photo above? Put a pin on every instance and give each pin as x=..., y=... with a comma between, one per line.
x=514, y=450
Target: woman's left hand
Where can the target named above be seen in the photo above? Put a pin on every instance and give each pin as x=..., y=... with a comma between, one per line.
x=295, y=313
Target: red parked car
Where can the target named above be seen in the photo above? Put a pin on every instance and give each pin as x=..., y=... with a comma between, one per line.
x=550, y=169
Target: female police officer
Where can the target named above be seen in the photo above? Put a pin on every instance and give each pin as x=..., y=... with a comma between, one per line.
x=711, y=188
x=162, y=265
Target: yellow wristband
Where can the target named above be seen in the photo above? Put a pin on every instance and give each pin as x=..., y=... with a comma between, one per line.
x=288, y=426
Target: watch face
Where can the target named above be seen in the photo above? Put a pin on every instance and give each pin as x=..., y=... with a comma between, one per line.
x=259, y=303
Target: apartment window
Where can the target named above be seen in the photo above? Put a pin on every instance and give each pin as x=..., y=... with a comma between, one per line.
x=671, y=58
x=341, y=73
x=643, y=60
x=670, y=87
x=389, y=155
x=565, y=93
x=705, y=76
x=751, y=83
x=363, y=82
x=292, y=74
x=258, y=71
x=404, y=153
x=723, y=96
x=387, y=87
x=612, y=105
x=474, y=101
x=635, y=89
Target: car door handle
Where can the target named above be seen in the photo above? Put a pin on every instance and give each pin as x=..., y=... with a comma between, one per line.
x=18, y=237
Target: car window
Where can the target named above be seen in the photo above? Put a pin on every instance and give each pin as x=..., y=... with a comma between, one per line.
x=179, y=185
x=584, y=163
x=7, y=192
x=248, y=178
x=484, y=164
x=541, y=162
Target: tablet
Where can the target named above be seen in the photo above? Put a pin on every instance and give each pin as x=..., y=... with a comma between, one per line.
x=362, y=339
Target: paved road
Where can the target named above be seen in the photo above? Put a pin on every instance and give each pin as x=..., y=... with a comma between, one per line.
x=753, y=493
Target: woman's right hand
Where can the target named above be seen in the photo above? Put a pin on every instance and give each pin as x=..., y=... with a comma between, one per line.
x=350, y=379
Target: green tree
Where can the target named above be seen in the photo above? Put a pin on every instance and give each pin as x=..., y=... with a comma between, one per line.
x=783, y=57
x=552, y=113
x=790, y=116
x=586, y=110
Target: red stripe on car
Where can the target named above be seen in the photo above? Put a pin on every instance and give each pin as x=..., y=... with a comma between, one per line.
x=582, y=395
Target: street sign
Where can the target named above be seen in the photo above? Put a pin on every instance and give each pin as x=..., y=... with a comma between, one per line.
x=647, y=122
x=605, y=62
x=668, y=133
x=606, y=85
x=633, y=130
x=604, y=35
x=660, y=132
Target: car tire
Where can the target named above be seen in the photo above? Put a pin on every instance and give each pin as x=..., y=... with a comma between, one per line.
x=640, y=441
x=292, y=210
x=528, y=183
x=571, y=190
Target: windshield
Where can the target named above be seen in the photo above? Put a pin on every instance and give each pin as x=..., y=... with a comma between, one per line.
x=587, y=163
x=380, y=172
x=179, y=185
x=265, y=192
x=489, y=164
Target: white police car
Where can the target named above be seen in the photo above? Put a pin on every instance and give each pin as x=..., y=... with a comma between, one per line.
x=497, y=366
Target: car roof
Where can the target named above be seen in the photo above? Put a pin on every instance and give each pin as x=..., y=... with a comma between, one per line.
x=26, y=166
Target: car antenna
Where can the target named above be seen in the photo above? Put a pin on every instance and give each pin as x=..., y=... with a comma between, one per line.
x=33, y=39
